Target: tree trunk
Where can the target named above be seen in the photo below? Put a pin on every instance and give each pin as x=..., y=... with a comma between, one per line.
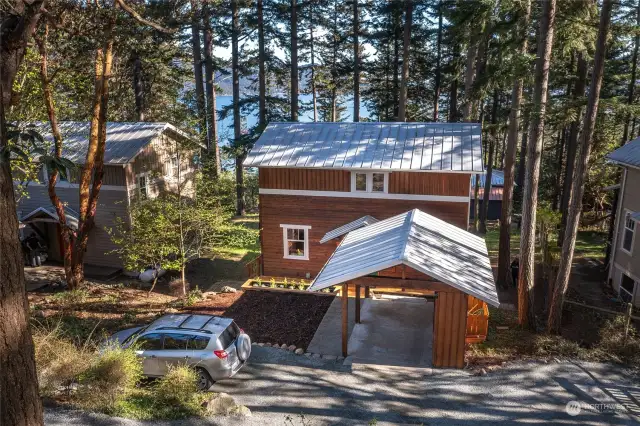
x=66, y=234
x=436, y=91
x=402, y=105
x=572, y=145
x=20, y=403
x=487, y=180
x=560, y=143
x=294, y=61
x=237, y=131
x=581, y=170
x=356, y=62
x=453, y=90
x=138, y=86
x=197, y=71
x=504, y=249
x=526, y=278
x=396, y=62
x=314, y=91
x=209, y=70
x=262, y=73
x=476, y=204
x=469, y=73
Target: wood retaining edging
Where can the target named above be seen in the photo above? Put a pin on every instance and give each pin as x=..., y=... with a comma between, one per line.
x=247, y=286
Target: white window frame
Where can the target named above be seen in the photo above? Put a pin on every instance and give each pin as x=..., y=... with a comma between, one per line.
x=625, y=229
x=146, y=185
x=285, y=240
x=173, y=170
x=621, y=289
x=369, y=187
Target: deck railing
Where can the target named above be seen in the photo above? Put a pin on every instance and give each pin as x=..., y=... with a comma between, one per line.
x=254, y=267
x=477, y=320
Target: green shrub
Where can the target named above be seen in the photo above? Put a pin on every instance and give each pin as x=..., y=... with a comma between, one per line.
x=110, y=379
x=613, y=343
x=71, y=297
x=237, y=236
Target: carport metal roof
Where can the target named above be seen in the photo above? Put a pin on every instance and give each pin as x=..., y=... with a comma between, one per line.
x=49, y=214
x=344, y=229
x=423, y=242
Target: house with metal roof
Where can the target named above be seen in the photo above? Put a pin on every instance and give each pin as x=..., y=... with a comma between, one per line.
x=142, y=160
x=624, y=260
x=494, y=209
x=379, y=207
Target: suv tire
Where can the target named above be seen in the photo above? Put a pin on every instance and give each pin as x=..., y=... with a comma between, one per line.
x=204, y=379
x=243, y=347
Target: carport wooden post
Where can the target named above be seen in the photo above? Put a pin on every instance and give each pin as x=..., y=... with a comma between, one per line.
x=357, y=304
x=345, y=317
x=366, y=292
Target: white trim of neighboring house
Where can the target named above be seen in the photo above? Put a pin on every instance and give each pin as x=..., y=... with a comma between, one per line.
x=369, y=185
x=378, y=195
x=67, y=185
x=286, y=255
x=614, y=243
x=636, y=281
x=624, y=231
x=136, y=186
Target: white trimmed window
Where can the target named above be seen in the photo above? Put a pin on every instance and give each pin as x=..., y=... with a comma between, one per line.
x=627, y=287
x=628, y=233
x=372, y=182
x=295, y=240
x=143, y=186
x=172, y=165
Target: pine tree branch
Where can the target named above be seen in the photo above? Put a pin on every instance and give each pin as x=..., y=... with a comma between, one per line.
x=135, y=15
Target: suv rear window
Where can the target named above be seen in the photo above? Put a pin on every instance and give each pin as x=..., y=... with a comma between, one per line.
x=229, y=335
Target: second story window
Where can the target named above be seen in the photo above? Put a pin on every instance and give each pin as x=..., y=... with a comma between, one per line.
x=143, y=190
x=375, y=182
x=628, y=233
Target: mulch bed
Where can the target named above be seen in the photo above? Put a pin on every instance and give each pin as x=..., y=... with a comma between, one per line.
x=271, y=317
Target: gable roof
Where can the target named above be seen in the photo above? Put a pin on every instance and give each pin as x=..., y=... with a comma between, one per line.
x=627, y=155
x=49, y=212
x=453, y=147
x=345, y=229
x=124, y=140
x=423, y=242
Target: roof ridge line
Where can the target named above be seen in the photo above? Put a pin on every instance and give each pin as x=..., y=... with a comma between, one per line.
x=404, y=256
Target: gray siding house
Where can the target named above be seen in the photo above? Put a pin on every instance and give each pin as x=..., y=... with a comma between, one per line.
x=624, y=267
x=141, y=161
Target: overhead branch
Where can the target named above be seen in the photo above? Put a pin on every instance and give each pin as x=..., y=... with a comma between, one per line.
x=135, y=15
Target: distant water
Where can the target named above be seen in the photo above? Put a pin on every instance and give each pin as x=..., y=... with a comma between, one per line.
x=225, y=127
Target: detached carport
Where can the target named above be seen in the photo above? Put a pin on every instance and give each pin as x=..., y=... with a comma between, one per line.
x=418, y=252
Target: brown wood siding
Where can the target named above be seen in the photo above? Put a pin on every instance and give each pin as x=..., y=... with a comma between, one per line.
x=428, y=183
x=305, y=179
x=449, y=329
x=324, y=214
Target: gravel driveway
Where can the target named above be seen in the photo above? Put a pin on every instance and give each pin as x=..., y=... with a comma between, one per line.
x=281, y=388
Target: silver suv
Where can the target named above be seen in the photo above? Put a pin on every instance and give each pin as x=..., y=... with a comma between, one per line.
x=216, y=347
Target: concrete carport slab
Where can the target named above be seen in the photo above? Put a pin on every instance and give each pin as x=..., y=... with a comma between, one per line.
x=395, y=331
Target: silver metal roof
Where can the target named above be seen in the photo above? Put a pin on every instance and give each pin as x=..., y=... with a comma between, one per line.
x=423, y=242
x=204, y=322
x=455, y=147
x=70, y=215
x=628, y=155
x=124, y=140
x=338, y=232
x=497, y=179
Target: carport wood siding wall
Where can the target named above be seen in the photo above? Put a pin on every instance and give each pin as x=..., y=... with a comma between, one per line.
x=415, y=183
x=449, y=329
x=324, y=214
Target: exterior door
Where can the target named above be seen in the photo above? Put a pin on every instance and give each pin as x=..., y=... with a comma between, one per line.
x=149, y=348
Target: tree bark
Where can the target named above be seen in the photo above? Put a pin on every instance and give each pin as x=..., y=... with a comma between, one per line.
x=66, y=234
x=487, y=180
x=20, y=403
x=402, y=104
x=526, y=279
x=262, y=73
x=469, y=73
x=560, y=143
x=209, y=70
x=197, y=71
x=356, y=62
x=581, y=170
x=294, y=61
x=396, y=62
x=438, y=77
x=572, y=144
x=237, y=131
x=453, y=89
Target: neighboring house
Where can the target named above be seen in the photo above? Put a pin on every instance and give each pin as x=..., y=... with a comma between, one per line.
x=141, y=161
x=373, y=203
x=624, y=267
x=495, y=195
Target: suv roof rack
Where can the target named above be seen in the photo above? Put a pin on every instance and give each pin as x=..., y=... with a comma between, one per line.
x=184, y=328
